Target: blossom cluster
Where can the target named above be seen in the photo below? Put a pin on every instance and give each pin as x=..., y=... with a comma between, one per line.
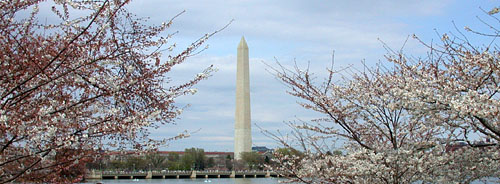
x=92, y=79
x=424, y=120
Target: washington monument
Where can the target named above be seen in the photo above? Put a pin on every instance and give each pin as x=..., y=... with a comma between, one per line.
x=242, y=125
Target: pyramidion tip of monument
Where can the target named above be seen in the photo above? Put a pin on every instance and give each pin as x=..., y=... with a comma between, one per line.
x=243, y=43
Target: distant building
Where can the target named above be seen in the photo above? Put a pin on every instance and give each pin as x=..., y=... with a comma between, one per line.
x=261, y=149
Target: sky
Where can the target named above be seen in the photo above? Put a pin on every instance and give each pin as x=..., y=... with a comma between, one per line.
x=288, y=31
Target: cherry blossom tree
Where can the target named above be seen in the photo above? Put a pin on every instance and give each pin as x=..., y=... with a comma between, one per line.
x=398, y=123
x=78, y=78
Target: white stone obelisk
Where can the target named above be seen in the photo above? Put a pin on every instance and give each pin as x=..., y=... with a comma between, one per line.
x=242, y=125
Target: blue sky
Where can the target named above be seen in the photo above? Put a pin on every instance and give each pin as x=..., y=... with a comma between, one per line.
x=288, y=30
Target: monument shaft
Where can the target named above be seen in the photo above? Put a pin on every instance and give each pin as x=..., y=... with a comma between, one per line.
x=242, y=125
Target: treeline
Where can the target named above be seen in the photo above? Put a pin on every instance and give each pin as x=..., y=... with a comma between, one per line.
x=192, y=159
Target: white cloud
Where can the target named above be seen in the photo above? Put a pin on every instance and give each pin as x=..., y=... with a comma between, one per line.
x=216, y=138
x=287, y=30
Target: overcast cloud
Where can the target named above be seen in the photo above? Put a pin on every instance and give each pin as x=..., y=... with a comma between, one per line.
x=287, y=30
